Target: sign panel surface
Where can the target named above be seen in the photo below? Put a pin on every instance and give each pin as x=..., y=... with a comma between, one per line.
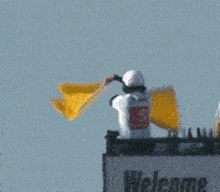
x=162, y=174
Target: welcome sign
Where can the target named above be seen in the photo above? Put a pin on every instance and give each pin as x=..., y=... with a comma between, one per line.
x=161, y=173
x=134, y=182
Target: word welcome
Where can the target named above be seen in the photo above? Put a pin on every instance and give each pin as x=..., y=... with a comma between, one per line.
x=133, y=182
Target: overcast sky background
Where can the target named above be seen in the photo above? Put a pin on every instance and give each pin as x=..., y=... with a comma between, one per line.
x=44, y=43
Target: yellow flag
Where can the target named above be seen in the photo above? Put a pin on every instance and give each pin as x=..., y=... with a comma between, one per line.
x=75, y=98
x=164, y=110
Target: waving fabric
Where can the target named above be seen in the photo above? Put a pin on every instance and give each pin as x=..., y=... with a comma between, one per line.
x=75, y=98
x=164, y=109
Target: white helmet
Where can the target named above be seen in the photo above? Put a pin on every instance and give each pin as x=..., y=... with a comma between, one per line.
x=133, y=78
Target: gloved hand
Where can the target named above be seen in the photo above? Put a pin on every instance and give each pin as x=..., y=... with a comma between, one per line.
x=109, y=79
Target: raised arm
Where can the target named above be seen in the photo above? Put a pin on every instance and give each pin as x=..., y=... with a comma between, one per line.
x=111, y=78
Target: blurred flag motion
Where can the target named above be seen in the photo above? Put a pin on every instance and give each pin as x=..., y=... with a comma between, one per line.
x=75, y=97
x=164, y=109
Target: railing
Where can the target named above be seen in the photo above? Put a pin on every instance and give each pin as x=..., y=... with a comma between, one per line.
x=171, y=145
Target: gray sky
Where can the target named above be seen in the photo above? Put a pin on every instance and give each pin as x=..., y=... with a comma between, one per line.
x=46, y=43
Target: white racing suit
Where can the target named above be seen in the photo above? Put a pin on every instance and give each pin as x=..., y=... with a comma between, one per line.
x=133, y=113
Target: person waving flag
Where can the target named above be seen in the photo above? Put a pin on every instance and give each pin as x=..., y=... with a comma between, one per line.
x=136, y=109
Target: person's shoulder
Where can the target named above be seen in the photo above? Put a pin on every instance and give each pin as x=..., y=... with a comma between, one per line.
x=124, y=98
x=116, y=99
